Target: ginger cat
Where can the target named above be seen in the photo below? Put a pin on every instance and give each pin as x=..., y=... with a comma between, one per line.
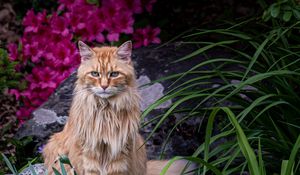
x=101, y=135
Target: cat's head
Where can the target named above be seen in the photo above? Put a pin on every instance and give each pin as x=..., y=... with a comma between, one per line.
x=106, y=71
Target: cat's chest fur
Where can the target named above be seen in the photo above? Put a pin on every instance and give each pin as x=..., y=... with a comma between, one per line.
x=105, y=129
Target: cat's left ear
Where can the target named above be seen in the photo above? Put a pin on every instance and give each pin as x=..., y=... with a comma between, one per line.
x=124, y=51
x=85, y=51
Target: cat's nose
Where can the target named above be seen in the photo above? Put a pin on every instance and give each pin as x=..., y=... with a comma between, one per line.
x=104, y=86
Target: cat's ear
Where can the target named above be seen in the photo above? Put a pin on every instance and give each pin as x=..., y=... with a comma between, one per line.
x=85, y=51
x=124, y=51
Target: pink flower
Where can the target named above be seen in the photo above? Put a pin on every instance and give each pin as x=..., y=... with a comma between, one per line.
x=13, y=51
x=125, y=22
x=49, y=50
x=34, y=51
x=134, y=6
x=14, y=92
x=110, y=8
x=66, y=3
x=94, y=29
x=32, y=21
x=24, y=113
x=58, y=24
x=113, y=37
x=146, y=36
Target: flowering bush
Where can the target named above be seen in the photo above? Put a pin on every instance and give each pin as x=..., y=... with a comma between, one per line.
x=48, y=52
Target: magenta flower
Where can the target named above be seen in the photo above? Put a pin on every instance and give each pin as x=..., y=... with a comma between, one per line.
x=13, y=51
x=48, y=42
x=134, y=6
x=125, y=22
x=32, y=21
x=23, y=113
x=14, y=92
x=146, y=36
x=113, y=37
x=58, y=25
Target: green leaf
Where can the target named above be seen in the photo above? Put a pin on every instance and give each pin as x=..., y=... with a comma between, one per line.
x=266, y=16
x=287, y=16
x=257, y=53
x=28, y=164
x=32, y=169
x=233, y=33
x=201, y=148
x=275, y=10
x=62, y=167
x=169, y=111
x=283, y=167
x=193, y=159
x=296, y=14
x=64, y=159
x=93, y=2
x=254, y=104
x=10, y=166
x=205, y=48
x=257, y=78
x=291, y=161
x=243, y=143
x=56, y=172
x=208, y=134
x=260, y=159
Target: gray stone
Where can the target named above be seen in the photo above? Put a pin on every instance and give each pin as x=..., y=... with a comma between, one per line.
x=38, y=168
x=151, y=93
x=44, y=116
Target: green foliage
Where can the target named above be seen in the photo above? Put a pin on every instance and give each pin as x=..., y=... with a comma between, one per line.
x=22, y=156
x=251, y=71
x=9, y=78
x=255, y=166
x=284, y=10
x=63, y=160
x=11, y=167
x=96, y=2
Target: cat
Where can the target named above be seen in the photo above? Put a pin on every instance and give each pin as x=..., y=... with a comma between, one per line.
x=101, y=135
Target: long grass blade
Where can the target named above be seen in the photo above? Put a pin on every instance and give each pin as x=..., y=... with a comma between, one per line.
x=243, y=143
x=208, y=133
x=32, y=169
x=256, y=54
x=291, y=161
x=9, y=164
x=205, y=48
x=193, y=159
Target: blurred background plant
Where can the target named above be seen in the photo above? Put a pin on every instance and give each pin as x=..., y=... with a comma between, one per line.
x=10, y=78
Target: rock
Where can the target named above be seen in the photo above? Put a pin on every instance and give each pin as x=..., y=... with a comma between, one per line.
x=151, y=63
x=149, y=94
x=38, y=168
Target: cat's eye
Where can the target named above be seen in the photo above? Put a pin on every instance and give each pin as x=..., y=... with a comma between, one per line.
x=114, y=74
x=95, y=74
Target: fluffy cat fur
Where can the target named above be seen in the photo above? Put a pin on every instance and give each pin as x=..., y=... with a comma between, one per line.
x=101, y=135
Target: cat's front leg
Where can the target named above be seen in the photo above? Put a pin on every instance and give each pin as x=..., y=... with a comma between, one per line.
x=91, y=166
x=118, y=167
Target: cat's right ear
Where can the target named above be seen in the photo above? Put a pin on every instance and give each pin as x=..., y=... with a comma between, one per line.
x=85, y=51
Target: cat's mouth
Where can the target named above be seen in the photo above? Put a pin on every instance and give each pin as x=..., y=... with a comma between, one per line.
x=104, y=94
